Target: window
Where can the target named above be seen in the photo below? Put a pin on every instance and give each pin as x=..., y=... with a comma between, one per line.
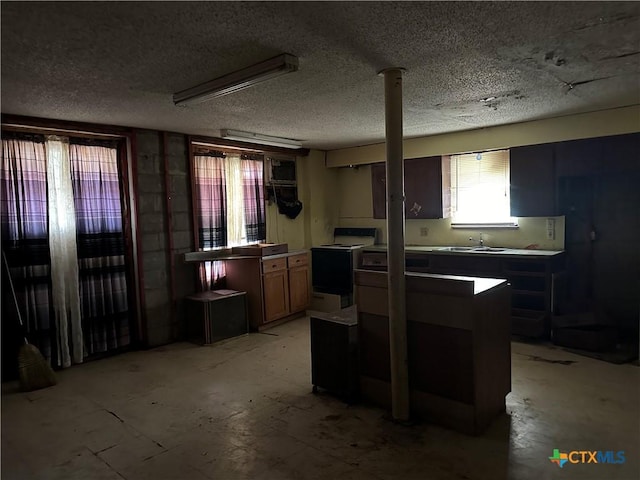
x=480, y=189
x=228, y=203
x=62, y=232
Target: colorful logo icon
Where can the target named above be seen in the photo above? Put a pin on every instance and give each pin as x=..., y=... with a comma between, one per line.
x=588, y=456
x=559, y=458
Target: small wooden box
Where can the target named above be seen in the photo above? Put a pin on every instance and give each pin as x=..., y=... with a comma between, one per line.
x=213, y=316
x=261, y=249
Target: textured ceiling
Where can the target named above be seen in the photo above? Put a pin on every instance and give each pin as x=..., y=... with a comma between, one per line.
x=119, y=63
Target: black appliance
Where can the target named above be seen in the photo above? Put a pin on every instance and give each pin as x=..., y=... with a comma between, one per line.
x=332, y=265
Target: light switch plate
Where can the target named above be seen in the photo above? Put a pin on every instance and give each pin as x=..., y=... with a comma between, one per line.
x=551, y=228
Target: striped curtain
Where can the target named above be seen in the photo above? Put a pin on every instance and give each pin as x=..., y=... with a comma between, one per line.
x=24, y=216
x=101, y=246
x=26, y=212
x=211, y=200
x=253, y=190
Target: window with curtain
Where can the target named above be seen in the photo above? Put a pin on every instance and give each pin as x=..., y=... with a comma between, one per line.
x=229, y=204
x=25, y=239
x=101, y=246
x=62, y=231
x=480, y=189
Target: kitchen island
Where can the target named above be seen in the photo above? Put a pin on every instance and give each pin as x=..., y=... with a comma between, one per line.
x=459, y=350
x=537, y=277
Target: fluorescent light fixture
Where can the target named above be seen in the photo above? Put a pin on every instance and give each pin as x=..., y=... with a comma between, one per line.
x=257, y=138
x=238, y=80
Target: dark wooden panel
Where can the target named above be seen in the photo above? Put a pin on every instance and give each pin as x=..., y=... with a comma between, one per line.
x=423, y=187
x=441, y=361
x=621, y=153
x=578, y=157
x=484, y=266
x=373, y=337
x=334, y=356
x=379, y=190
x=532, y=181
x=426, y=188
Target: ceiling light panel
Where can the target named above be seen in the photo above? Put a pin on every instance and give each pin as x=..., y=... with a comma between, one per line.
x=238, y=80
x=260, y=139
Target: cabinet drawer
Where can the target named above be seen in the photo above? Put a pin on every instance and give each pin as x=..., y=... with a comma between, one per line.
x=274, y=265
x=297, y=260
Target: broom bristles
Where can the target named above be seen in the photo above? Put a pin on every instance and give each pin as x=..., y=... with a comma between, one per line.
x=35, y=371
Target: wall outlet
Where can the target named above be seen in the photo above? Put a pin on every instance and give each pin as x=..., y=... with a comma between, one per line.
x=551, y=228
x=424, y=231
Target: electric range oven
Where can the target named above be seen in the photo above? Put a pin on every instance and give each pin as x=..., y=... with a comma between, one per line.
x=332, y=267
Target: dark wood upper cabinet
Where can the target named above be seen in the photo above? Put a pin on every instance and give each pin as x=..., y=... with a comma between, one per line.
x=576, y=158
x=379, y=190
x=426, y=185
x=621, y=153
x=532, y=184
x=598, y=156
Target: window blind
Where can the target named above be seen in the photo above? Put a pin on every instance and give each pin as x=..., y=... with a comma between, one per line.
x=480, y=187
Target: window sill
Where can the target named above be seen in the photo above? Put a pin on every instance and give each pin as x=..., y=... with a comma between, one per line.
x=475, y=226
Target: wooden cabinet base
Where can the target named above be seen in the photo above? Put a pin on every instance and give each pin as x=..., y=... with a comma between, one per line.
x=435, y=409
x=458, y=346
x=280, y=321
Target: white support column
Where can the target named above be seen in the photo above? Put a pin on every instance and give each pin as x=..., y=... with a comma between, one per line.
x=395, y=252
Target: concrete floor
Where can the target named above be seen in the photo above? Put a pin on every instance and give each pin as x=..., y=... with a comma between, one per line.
x=244, y=409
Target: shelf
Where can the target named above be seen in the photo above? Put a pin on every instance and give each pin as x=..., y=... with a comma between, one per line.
x=529, y=293
x=524, y=266
x=517, y=273
x=530, y=323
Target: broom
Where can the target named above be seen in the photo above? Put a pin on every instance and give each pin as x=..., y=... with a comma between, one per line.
x=35, y=372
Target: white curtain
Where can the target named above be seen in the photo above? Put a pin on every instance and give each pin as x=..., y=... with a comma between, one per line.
x=63, y=251
x=235, y=201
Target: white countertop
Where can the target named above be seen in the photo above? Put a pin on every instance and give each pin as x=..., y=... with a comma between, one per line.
x=225, y=254
x=438, y=249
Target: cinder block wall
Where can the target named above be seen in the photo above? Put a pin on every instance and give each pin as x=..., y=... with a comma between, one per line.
x=163, y=318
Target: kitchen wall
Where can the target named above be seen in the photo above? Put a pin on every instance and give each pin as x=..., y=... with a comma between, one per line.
x=313, y=226
x=319, y=216
x=602, y=123
x=160, y=323
x=356, y=209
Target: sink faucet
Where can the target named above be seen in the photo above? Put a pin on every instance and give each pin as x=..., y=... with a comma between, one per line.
x=480, y=241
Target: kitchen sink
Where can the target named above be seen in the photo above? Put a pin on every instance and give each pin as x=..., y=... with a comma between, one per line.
x=488, y=249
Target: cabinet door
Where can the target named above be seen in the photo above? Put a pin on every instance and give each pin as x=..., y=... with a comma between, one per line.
x=426, y=188
x=379, y=190
x=532, y=181
x=425, y=181
x=299, y=294
x=577, y=158
x=276, y=295
x=621, y=154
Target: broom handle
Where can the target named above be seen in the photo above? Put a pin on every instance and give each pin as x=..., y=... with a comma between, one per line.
x=13, y=292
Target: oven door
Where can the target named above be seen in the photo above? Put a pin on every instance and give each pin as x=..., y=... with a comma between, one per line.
x=332, y=270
